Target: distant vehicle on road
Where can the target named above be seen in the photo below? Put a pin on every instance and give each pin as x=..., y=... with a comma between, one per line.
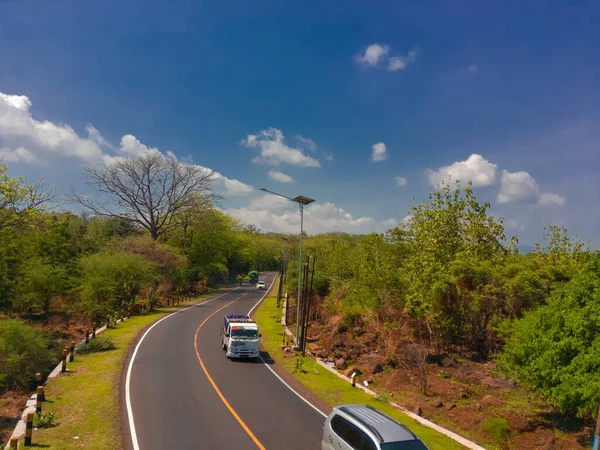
x=253, y=276
x=240, y=337
x=261, y=285
x=361, y=427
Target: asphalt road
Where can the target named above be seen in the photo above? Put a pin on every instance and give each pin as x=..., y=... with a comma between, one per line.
x=174, y=404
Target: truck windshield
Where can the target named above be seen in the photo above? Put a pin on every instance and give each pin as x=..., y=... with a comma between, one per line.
x=244, y=334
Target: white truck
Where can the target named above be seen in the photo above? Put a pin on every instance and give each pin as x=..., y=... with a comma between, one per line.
x=240, y=337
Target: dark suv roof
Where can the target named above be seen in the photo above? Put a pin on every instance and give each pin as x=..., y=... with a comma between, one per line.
x=380, y=424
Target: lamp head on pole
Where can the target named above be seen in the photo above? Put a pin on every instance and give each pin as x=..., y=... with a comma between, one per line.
x=302, y=200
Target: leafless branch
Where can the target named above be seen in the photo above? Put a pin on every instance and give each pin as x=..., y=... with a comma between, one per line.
x=149, y=190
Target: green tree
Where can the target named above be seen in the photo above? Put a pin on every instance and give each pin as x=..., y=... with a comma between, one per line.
x=566, y=254
x=113, y=279
x=453, y=241
x=19, y=200
x=39, y=282
x=556, y=348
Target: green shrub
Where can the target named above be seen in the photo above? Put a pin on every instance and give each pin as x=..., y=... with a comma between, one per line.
x=351, y=318
x=38, y=282
x=44, y=420
x=24, y=351
x=556, y=348
x=382, y=397
x=390, y=326
x=497, y=428
x=299, y=365
x=111, y=279
x=101, y=343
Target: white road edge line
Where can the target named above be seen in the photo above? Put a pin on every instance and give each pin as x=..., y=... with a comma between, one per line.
x=275, y=373
x=132, y=432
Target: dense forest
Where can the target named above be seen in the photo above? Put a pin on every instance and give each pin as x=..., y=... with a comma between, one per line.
x=448, y=278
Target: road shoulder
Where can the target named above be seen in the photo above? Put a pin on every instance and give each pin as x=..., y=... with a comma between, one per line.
x=322, y=387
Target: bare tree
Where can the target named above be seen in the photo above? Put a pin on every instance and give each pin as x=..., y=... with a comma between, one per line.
x=413, y=357
x=150, y=190
x=19, y=200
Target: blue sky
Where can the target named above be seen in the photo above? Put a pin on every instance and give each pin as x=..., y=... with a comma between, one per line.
x=516, y=84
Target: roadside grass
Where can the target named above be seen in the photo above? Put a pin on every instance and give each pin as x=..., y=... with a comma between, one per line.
x=85, y=401
x=326, y=385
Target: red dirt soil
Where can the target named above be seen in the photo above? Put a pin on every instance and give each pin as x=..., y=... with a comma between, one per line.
x=461, y=394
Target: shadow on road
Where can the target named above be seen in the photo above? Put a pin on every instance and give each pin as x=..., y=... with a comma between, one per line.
x=264, y=355
x=267, y=358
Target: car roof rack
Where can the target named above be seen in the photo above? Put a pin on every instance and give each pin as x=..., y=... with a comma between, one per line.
x=392, y=419
x=363, y=423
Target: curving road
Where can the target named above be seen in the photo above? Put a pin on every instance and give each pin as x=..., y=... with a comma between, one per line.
x=181, y=392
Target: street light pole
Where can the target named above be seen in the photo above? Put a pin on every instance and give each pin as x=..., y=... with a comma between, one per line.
x=302, y=201
x=282, y=275
x=300, y=267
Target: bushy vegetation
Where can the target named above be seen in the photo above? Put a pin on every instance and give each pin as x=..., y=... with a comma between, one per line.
x=556, y=348
x=449, y=279
x=23, y=350
x=44, y=420
x=497, y=428
x=57, y=263
x=101, y=343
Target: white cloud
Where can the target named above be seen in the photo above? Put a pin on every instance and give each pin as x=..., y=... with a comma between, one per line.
x=230, y=186
x=44, y=141
x=377, y=53
x=473, y=69
x=522, y=187
x=280, y=177
x=97, y=137
x=274, y=151
x=19, y=154
x=318, y=218
x=395, y=222
x=306, y=143
x=551, y=199
x=131, y=146
x=407, y=220
x=379, y=152
x=401, y=181
x=517, y=186
x=270, y=202
x=329, y=157
x=390, y=223
x=401, y=62
x=475, y=168
x=373, y=54
x=25, y=139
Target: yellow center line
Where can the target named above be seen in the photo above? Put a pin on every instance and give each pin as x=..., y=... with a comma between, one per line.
x=214, y=385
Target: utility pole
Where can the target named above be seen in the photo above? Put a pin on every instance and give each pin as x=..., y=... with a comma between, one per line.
x=300, y=270
x=281, y=276
x=302, y=201
x=597, y=433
